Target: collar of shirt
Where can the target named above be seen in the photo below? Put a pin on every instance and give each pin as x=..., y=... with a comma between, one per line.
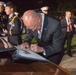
x=42, y=22
x=67, y=19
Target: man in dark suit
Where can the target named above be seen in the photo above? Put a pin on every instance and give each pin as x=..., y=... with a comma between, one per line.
x=47, y=31
x=68, y=30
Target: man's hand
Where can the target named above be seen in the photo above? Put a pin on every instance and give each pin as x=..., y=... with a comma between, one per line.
x=36, y=48
x=9, y=45
x=25, y=45
x=74, y=25
x=5, y=31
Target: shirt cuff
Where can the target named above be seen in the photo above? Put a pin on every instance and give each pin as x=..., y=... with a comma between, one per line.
x=44, y=53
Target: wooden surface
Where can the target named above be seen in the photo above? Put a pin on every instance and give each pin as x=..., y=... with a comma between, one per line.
x=28, y=67
x=33, y=68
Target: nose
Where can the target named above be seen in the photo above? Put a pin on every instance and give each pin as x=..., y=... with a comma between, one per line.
x=33, y=29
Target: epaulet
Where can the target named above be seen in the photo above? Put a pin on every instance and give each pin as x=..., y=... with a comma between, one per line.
x=12, y=21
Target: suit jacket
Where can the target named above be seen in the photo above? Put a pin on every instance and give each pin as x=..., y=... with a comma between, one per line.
x=64, y=26
x=51, y=38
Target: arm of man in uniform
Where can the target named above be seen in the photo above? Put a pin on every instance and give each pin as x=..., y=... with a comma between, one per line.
x=17, y=25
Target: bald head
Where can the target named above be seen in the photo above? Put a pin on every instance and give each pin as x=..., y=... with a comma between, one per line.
x=29, y=16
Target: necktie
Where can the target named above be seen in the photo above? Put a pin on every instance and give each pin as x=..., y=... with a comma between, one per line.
x=69, y=28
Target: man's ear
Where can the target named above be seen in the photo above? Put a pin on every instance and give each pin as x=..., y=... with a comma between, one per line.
x=12, y=9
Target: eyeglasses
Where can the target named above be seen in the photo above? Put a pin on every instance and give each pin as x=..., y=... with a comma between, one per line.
x=34, y=26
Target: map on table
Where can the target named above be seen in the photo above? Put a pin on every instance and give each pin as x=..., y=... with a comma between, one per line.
x=28, y=54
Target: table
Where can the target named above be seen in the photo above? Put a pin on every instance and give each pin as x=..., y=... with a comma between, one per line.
x=29, y=67
x=32, y=68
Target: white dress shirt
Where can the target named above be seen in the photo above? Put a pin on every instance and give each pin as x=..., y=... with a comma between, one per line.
x=40, y=31
x=67, y=24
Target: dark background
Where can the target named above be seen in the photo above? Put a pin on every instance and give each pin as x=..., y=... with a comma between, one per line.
x=23, y=5
x=56, y=7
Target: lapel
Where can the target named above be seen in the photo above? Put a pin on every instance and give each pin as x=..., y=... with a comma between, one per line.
x=44, y=31
x=65, y=21
x=45, y=28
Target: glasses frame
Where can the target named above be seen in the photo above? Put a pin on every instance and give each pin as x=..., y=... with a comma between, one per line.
x=34, y=27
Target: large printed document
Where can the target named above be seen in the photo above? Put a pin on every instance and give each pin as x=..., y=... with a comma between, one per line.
x=28, y=54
